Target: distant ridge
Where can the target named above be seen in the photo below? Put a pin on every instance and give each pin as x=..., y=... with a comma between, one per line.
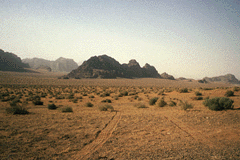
x=228, y=78
x=11, y=62
x=59, y=65
x=106, y=67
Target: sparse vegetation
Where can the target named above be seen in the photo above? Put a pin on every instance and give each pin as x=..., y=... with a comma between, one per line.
x=161, y=103
x=17, y=109
x=67, y=109
x=229, y=93
x=184, y=90
x=152, y=101
x=106, y=101
x=219, y=103
x=140, y=105
x=197, y=98
x=172, y=103
x=106, y=107
x=198, y=93
x=52, y=106
x=185, y=105
x=89, y=104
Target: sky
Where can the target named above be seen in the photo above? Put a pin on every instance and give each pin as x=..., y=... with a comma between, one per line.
x=185, y=38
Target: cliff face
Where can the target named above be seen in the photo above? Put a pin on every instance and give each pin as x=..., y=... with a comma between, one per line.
x=11, y=62
x=107, y=67
x=60, y=65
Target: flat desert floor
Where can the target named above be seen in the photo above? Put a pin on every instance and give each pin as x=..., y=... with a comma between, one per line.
x=128, y=128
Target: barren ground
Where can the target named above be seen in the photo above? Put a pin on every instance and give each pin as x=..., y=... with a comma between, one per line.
x=127, y=132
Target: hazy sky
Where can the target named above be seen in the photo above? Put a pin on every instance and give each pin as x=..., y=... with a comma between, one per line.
x=185, y=38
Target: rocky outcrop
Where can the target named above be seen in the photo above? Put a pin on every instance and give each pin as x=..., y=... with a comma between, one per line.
x=166, y=76
x=107, y=67
x=59, y=65
x=11, y=62
x=228, y=78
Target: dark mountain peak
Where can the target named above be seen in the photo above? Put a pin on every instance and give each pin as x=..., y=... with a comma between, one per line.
x=11, y=62
x=147, y=65
x=133, y=62
x=107, y=67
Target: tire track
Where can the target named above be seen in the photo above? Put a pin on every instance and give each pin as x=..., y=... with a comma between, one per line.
x=191, y=132
x=101, y=137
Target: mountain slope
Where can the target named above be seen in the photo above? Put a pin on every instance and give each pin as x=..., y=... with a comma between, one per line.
x=228, y=78
x=11, y=62
x=60, y=65
x=106, y=67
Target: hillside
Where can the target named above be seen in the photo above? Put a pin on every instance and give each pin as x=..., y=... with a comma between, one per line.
x=106, y=67
x=228, y=78
x=59, y=65
x=11, y=62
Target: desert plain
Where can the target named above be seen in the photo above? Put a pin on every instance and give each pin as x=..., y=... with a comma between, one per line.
x=114, y=119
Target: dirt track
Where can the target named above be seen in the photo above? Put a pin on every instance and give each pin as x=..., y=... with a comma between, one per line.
x=101, y=137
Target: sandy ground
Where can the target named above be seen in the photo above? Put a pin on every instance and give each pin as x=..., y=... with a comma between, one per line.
x=127, y=132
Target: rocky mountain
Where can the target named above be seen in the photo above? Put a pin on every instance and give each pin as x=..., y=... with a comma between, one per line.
x=59, y=65
x=166, y=76
x=106, y=67
x=228, y=78
x=11, y=62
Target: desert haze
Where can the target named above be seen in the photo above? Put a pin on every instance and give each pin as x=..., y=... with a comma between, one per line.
x=44, y=117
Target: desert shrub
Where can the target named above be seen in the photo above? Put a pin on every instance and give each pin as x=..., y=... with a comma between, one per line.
x=207, y=88
x=36, y=98
x=132, y=93
x=140, y=105
x=198, y=93
x=67, y=109
x=17, y=109
x=37, y=102
x=124, y=93
x=89, y=104
x=161, y=103
x=172, y=103
x=52, y=106
x=105, y=94
x=236, y=89
x=15, y=101
x=185, y=105
x=91, y=96
x=84, y=94
x=106, y=101
x=197, y=98
x=106, y=108
x=43, y=94
x=184, y=90
x=219, y=103
x=135, y=97
x=152, y=101
x=229, y=94
x=75, y=100
x=59, y=97
x=70, y=96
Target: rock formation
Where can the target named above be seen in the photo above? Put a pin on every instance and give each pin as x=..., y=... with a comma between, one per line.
x=106, y=67
x=166, y=76
x=59, y=65
x=228, y=78
x=11, y=62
